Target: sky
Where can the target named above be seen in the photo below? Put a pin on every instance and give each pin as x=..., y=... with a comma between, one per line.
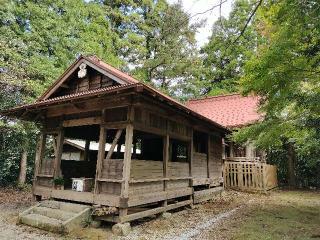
x=197, y=6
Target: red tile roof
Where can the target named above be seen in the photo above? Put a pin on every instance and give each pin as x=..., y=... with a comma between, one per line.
x=230, y=111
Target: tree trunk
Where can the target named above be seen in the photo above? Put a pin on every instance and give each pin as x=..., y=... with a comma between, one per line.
x=291, y=157
x=23, y=167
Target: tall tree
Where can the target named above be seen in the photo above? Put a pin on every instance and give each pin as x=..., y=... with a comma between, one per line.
x=171, y=59
x=158, y=42
x=285, y=73
x=226, y=52
x=38, y=41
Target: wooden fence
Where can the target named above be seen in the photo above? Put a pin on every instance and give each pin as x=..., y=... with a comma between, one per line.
x=250, y=176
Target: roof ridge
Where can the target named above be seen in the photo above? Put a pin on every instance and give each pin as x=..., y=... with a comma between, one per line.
x=98, y=60
x=211, y=97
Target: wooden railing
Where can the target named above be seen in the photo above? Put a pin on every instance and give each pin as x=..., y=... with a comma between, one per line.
x=250, y=176
x=245, y=159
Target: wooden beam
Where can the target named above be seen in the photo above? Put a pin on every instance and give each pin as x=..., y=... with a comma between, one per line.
x=57, y=164
x=114, y=143
x=81, y=122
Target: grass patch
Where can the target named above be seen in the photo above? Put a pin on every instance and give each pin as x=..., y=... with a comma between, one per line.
x=283, y=215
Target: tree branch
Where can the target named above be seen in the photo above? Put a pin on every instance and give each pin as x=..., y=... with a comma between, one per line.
x=248, y=21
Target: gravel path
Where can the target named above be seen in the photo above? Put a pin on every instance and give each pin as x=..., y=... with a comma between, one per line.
x=197, y=223
x=10, y=231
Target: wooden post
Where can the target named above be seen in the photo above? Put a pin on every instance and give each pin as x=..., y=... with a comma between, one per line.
x=86, y=150
x=127, y=162
x=208, y=156
x=191, y=155
x=223, y=149
x=231, y=149
x=166, y=143
x=39, y=154
x=57, y=163
x=101, y=153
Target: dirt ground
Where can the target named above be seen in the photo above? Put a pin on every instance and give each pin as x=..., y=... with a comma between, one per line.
x=234, y=215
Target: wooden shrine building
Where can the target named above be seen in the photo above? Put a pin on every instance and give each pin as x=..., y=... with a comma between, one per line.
x=153, y=154
x=245, y=166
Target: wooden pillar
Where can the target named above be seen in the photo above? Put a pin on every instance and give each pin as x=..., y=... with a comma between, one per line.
x=191, y=154
x=166, y=144
x=100, y=158
x=39, y=155
x=231, y=149
x=208, y=156
x=57, y=163
x=37, y=163
x=86, y=150
x=127, y=162
x=223, y=149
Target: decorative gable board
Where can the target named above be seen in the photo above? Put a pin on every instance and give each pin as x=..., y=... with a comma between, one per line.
x=92, y=80
x=96, y=77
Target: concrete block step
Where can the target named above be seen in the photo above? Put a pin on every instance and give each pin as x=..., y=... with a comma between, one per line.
x=64, y=206
x=56, y=216
x=54, y=213
x=43, y=222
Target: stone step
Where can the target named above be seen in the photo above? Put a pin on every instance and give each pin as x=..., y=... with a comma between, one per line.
x=64, y=206
x=56, y=216
x=54, y=213
x=43, y=222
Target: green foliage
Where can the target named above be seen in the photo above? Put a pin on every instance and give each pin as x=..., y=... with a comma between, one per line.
x=285, y=73
x=59, y=181
x=12, y=140
x=223, y=57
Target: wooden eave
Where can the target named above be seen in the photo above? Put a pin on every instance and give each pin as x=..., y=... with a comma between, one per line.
x=28, y=112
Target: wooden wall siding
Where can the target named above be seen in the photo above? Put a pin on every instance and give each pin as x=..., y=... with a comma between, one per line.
x=110, y=188
x=92, y=81
x=112, y=169
x=178, y=169
x=146, y=169
x=145, y=187
x=116, y=114
x=199, y=165
x=215, y=157
x=44, y=181
x=47, y=167
x=179, y=128
x=175, y=184
x=152, y=120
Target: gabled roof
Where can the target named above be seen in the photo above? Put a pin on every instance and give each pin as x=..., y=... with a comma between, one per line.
x=95, y=63
x=128, y=83
x=231, y=110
